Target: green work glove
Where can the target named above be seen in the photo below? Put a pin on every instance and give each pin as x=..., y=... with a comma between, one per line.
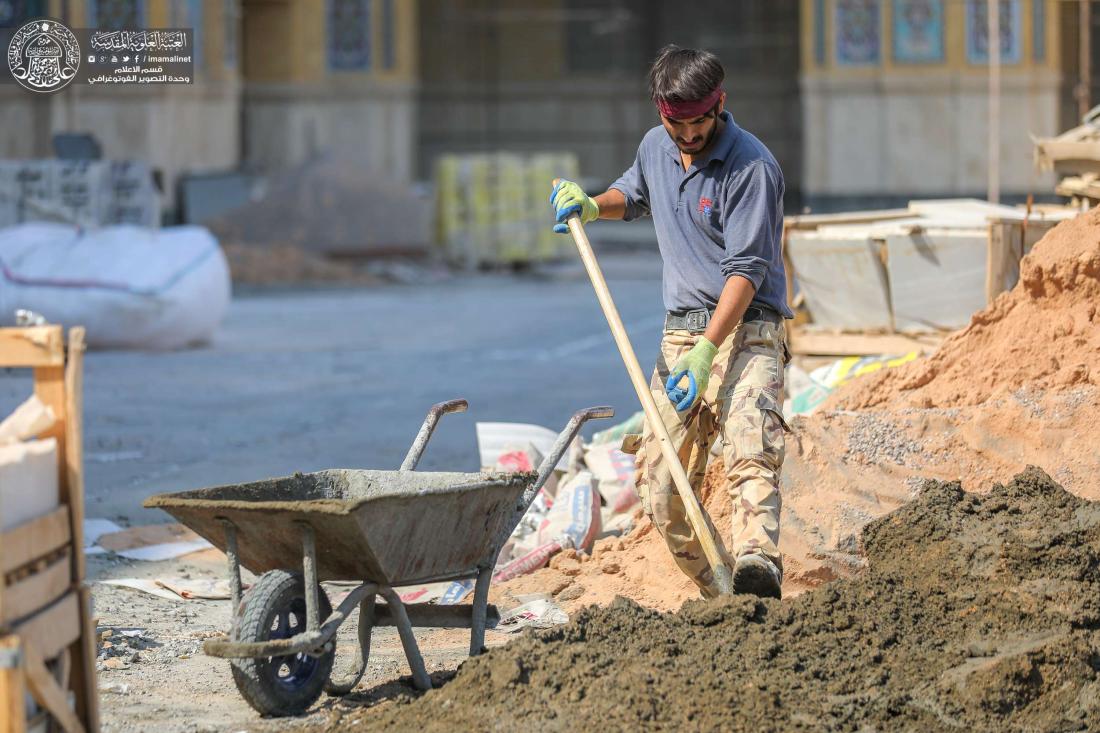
x=695, y=365
x=568, y=197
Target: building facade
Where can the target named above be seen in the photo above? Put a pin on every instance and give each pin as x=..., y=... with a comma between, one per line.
x=178, y=129
x=334, y=75
x=864, y=102
x=895, y=98
x=536, y=75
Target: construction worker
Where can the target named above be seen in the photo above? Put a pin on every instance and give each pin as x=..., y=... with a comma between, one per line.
x=715, y=193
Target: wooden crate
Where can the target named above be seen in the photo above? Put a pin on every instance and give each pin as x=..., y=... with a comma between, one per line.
x=862, y=314
x=47, y=640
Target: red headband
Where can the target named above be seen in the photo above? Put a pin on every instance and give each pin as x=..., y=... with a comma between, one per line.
x=687, y=110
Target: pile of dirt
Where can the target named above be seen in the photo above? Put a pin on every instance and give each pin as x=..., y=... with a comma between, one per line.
x=329, y=206
x=284, y=264
x=638, y=566
x=1043, y=334
x=975, y=612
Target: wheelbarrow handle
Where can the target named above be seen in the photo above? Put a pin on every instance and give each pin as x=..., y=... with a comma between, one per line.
x=565, y=437
x=421, y=442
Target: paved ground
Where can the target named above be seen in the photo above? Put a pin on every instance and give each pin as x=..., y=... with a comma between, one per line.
x=301, y=381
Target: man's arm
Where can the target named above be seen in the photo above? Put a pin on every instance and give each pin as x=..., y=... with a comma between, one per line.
x=751, y=213
x=612, y=204
x=732, y=303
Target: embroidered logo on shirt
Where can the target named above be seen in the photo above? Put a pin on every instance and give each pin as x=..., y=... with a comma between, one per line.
x=705, y=206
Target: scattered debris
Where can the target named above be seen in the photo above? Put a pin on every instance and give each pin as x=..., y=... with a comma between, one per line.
x=534, y=612
x=153, y=542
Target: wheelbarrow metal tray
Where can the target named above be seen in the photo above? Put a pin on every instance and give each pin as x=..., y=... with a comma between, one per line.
x=389, y=527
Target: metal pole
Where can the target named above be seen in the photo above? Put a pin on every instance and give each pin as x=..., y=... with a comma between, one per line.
x=309, y=570
x=234, y=560
x=993, y=8
x=481, y=600
x=421, y=680
x=1084, y=59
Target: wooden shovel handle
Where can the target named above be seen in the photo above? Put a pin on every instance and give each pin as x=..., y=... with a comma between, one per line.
x=713, y=549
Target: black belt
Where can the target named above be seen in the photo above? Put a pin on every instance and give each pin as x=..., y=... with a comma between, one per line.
x=697, y=320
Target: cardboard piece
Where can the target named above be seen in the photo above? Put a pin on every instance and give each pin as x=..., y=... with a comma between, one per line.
x=153, y=542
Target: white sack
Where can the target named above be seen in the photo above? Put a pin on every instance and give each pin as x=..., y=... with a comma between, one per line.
x=28, y=481
x=129, y=286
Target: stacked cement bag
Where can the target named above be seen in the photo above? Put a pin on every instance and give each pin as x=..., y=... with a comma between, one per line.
x=130, y=286
x=494, y=208
x=82, y=192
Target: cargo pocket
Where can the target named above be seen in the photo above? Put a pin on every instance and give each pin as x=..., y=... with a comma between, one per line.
x=767, y=403
x=754, y=427
x=773, y=430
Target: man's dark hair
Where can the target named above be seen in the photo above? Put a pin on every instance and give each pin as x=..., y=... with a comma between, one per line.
x=684, y=74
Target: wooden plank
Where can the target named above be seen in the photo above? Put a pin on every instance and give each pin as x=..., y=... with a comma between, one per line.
x=813, y=221
x=1000, y=258
x=54, y=628
x=429, y=615
x=73, y=468
x=12, y=710
x=83, y=671
x=46, y=691
x=1009, y=242
x=818, y=343
x=36, y=591
x=34, y=539
x=39, y=346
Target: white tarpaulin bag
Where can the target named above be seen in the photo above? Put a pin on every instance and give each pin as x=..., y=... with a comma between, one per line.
x=28, y=481
x=129, y=286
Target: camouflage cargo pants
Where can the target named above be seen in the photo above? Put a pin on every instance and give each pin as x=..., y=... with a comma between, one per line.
x=742, y=404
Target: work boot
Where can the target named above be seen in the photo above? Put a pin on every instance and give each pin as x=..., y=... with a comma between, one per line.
x=757, y=574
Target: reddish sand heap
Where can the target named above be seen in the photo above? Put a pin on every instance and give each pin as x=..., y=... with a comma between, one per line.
x=1018, y=386
x=638, y=566
x=1043, y=334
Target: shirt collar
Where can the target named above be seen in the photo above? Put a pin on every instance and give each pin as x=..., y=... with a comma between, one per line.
x=721, y=150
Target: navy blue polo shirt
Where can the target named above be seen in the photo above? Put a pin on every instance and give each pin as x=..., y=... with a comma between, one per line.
x=721, y=217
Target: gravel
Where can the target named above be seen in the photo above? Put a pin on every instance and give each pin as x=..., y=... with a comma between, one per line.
x=874, y=440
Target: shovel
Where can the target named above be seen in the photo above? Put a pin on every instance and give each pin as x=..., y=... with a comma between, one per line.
x=700, y=522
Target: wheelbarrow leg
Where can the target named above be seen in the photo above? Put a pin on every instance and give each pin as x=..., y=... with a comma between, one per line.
x=481, y=601
x=234, y=563
x=366, y=626
x=421, y=680
x=309, y=571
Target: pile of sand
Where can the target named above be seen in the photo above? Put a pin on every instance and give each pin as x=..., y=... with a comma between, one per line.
x=1016, y=387
x=1042, y=334
x=637, y=566
x=975, y=612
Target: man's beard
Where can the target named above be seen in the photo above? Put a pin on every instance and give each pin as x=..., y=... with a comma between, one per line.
x=701, y=148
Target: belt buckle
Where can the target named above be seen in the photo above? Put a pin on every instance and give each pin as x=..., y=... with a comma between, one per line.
x=697, y=320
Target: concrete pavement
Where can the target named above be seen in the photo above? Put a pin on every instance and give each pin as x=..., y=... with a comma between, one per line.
x=301, y=381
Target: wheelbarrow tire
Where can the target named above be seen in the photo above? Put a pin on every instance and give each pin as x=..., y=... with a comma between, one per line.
x=274, y=608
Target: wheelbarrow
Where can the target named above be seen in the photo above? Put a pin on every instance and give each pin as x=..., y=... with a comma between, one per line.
x=381, y=529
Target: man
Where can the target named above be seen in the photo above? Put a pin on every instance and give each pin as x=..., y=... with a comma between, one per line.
x=715, y=194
